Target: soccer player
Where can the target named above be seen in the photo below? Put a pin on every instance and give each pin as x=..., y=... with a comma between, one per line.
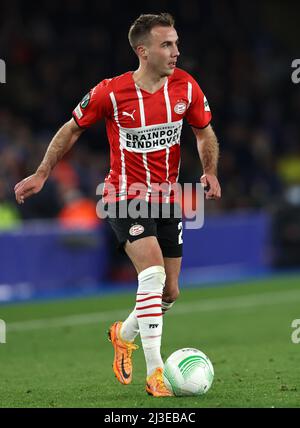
x=143, y=110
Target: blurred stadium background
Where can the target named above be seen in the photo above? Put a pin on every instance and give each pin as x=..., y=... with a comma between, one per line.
x=241, y=54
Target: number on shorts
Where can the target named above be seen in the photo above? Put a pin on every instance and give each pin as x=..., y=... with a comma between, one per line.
x=180, y=240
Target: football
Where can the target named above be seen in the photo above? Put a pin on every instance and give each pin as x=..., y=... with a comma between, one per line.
x=188, y=371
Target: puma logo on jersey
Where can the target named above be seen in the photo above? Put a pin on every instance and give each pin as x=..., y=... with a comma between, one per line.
x=129, y=114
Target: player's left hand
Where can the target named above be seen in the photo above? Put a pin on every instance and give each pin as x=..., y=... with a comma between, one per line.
x=211, y=185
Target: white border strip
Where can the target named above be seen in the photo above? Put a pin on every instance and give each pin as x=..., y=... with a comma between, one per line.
x=189, y=93
x=143, y=123
x=123, y=189
x=169, y=120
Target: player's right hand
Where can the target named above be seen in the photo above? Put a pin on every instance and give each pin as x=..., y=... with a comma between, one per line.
x=29, y=186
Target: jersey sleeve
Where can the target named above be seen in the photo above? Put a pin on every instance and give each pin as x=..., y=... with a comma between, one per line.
x=198, y=113
x=94, y=106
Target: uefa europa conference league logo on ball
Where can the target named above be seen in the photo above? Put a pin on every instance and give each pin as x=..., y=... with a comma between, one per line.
x=2, y=71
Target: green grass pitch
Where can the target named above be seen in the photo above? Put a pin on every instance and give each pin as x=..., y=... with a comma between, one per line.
x=57, y=353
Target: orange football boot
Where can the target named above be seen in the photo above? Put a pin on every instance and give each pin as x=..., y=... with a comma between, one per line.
x=122, y=365
x=155, y=384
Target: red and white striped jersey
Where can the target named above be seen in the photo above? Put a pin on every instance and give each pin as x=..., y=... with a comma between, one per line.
x=143, y=130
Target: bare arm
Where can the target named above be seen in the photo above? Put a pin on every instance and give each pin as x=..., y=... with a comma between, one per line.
x=60, y=144
x=208, y=150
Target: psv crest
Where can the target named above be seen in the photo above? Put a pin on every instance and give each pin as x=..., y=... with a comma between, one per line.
x=180, y=107
x=136, y=229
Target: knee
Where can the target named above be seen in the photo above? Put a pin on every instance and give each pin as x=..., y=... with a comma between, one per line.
x=152, y=279
x=171, y=296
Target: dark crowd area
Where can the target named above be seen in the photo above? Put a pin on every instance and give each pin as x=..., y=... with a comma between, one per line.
x=240, y=52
